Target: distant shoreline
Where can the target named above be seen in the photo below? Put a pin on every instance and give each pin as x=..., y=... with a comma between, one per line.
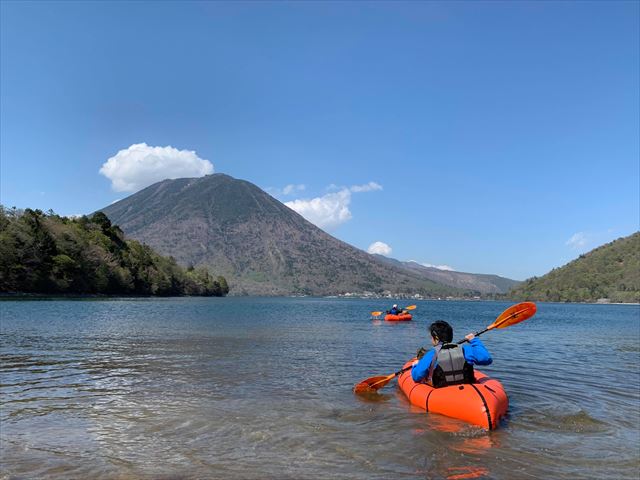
x=95, y=296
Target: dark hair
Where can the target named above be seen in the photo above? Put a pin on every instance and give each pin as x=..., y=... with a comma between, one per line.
x=442, y=331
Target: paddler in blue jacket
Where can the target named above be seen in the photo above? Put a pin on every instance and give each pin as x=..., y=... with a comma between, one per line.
x=449, y=363
x=395, y=310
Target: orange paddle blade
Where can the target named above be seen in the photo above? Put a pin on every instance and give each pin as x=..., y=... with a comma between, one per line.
x=515, y=314
x=372, y=384
x=376, y=314
x=410, y=307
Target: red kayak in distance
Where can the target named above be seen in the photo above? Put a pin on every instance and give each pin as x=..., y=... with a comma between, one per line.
x=403, y=317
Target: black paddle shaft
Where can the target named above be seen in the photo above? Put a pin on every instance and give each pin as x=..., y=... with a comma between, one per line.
x=403, y=370
x=475, y=335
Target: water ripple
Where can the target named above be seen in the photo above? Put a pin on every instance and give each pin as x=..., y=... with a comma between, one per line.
x=261, y=388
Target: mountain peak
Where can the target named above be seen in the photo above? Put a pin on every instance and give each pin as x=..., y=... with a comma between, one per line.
x=260, y=245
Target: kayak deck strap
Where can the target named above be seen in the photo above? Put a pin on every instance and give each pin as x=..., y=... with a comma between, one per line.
x=426, y=402
x=484, y=402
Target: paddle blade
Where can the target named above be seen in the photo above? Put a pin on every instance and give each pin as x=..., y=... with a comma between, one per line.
x=410, y=307
x=376, y=314
x=515, y=314
x=372, y=384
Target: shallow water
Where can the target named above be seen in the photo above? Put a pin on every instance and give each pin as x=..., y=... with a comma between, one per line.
x=253, y=388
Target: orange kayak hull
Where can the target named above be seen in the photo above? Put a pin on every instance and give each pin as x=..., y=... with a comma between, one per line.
x=483, y=403
x=405, y=317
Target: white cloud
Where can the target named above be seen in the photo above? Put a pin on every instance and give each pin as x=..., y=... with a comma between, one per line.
x=327, y=211
x=287, y=190
x=577, y=240
x=368, y=187
x=331, y=209
x=439, y=267
x=379, y=248
x=141, y=165
x=291, y=188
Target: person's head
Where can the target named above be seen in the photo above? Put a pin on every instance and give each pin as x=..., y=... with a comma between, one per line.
x=395, y=306
x=441, y=331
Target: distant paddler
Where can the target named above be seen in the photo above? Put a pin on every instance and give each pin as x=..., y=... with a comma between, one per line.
x=395, y=311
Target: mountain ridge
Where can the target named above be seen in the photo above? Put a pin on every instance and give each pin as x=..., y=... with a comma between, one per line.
x=608, y=273
x=481, y=282
x=259, y=244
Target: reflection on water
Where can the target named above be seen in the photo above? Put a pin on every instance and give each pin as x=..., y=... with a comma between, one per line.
x=261, y=388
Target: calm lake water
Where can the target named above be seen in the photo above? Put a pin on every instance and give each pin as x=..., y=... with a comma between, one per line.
x=253, y=388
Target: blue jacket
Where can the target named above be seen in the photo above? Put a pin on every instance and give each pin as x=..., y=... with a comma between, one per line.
x=474, y=353
x=395, y=311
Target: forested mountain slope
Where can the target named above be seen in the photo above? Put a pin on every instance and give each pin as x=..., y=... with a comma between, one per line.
x=46, y=253
x=611, y=271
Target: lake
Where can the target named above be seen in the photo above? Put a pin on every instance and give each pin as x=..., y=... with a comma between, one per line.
x=255, y=388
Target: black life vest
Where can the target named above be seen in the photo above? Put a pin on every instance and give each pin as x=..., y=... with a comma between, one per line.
x=452, y=368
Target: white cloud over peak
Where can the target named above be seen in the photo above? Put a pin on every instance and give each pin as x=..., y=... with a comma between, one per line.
x=327, y=211
x=331, y=209
x=577, y=240
x=379, y=248
x=439, y=267
x=141, y=165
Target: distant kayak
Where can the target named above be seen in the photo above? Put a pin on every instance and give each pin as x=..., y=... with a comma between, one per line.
x=403, y=317
x=482, y=403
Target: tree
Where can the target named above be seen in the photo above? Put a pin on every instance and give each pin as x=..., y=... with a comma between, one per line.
x=47, y=253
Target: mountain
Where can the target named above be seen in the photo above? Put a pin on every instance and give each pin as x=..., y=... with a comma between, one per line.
x=259, y=244
x=479, y=282
x=611, y=271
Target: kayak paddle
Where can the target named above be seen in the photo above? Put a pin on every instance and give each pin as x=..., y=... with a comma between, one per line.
x=512, y=315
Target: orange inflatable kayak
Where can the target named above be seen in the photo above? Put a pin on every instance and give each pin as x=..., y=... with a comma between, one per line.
x=403, y=317
x=482, y=403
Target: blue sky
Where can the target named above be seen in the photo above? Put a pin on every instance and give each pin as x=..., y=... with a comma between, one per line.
x=489, y=137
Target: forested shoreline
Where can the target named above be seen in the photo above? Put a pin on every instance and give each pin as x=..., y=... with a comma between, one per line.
x=608, y=273
x=48, y=254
